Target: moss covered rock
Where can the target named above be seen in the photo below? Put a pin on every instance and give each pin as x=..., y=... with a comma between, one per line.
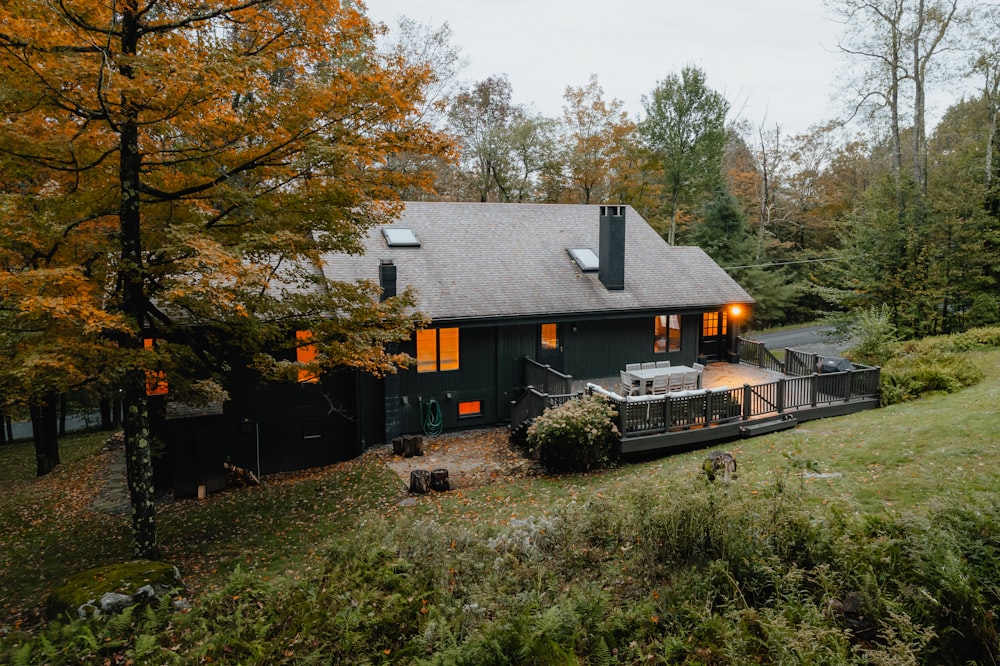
x=113, y=587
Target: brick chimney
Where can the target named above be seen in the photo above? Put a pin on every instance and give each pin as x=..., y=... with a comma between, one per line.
x=611, y=252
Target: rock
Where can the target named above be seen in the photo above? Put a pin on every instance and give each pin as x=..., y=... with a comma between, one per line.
x=110, y=589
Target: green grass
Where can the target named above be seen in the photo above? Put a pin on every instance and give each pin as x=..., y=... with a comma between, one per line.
x=645, y=558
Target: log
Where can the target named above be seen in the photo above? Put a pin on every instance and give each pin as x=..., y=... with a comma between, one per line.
x=397, y=446
x=239, y=476
x=420, y=481
x=413, y=445
x=439, y=480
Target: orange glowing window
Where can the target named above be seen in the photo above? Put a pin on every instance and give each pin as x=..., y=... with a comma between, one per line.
x=448, y=341
x=437, y=349
x=710, y=324
x=666, y=333
x=305, y=353
x=550, y=336
x=156, y=380
x=470, y=408
x=427, y=350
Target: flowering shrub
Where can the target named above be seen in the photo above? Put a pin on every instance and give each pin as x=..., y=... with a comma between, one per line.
x=578, y=435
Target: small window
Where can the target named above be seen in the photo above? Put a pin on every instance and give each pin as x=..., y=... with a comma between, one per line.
x=305, y=353
x=156, y=380
x=470, y=408
x=666, y=333
x=550, y=336
x=710, y=324
x=399, y=237
x=437, y=349
x=585, y=258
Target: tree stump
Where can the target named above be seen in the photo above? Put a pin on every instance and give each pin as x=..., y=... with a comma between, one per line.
x=439, y=480
x=720, y=462
x=413, y=445
x=397, y=446
x=420, y=481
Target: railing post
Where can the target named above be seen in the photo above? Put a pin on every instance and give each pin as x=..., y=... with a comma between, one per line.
x=780, y=395
x=667, y=415
x=747, y=400
x=813, y=389
x=850, y=386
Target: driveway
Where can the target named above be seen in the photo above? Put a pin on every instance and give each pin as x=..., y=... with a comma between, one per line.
x=812, y=339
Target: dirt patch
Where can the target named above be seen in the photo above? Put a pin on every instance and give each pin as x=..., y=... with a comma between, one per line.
x=472, y=458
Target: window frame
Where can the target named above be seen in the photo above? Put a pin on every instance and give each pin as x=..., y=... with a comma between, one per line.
x=432, y=355
x=664, y=339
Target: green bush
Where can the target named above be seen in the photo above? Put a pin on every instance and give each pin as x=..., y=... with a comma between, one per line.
x=910, y=376
x=578, y=435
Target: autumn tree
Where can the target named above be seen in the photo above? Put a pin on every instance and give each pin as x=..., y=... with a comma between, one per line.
x=596, y=132
x=193, y=159
x=685, y=128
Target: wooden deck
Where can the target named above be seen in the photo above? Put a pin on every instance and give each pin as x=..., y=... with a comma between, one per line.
x=738, y=400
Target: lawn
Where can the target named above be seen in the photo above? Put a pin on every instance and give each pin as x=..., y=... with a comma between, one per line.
x=596, y=562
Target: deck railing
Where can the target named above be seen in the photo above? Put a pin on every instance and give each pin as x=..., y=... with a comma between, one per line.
x=545, y=388
x=755, y=353
x=545, y=379
x=648, y=415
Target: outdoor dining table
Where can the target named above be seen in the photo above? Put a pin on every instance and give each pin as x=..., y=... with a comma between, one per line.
x=645, y=376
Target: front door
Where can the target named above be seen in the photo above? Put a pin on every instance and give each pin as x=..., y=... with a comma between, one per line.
x=714, y=338
x=550, y=346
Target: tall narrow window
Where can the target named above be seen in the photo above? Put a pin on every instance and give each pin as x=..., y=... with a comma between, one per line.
x=448, y=356
x=666, y=333
x=550, y=336
x=427, y=352
x=437, y=349
x=305, y=353
x=156, y=380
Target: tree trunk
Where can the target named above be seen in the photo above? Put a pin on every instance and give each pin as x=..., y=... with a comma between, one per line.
x=138, y=454
x=44, y=431
x=105, y=407
x=62, y=414
x=3, y=428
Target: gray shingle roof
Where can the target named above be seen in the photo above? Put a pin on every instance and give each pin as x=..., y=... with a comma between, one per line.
x=485, y=260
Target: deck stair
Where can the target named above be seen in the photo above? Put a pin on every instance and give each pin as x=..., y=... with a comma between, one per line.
x=786, y=422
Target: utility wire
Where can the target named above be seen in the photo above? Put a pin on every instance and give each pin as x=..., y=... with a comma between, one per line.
x=782, y=263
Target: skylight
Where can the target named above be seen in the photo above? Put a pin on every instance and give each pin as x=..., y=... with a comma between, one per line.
x=400, y=237
x=585, y=258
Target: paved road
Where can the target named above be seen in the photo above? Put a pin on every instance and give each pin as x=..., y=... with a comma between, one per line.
x=807, y=338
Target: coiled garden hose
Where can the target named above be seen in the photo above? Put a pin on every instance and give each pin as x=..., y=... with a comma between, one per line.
x=433, y=419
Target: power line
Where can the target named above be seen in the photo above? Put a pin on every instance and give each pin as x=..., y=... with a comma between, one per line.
x=782, y=263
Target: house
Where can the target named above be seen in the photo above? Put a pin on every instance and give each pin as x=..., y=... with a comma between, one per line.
x=583, y=289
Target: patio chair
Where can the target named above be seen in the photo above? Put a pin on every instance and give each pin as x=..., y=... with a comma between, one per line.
x=629, y=367
x=660, y=384
x=663, y=364
x=676, y=382
x=690, y=380
x=698, y=366
x=629, y=385
x=648, y=366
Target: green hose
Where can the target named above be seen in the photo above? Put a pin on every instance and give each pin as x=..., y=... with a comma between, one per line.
x=433, y=419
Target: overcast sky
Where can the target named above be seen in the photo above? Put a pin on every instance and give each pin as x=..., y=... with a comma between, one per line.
x=772, y=59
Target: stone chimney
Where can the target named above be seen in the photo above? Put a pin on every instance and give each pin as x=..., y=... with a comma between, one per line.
x=387, y=278
x=611, y=252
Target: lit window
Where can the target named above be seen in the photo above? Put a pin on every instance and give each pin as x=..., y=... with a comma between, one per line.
x=470, y=408
x=666, y=333
x=305, y=353
x=448, y=356
x=437, y=349
x=427, y=350
x=550, y=336
x=156, y=380
x=710, y=324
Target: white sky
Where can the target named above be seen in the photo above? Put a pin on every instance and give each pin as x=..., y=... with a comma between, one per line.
x=774, y=60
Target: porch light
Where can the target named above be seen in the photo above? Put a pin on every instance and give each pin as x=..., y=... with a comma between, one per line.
x=736, y=311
